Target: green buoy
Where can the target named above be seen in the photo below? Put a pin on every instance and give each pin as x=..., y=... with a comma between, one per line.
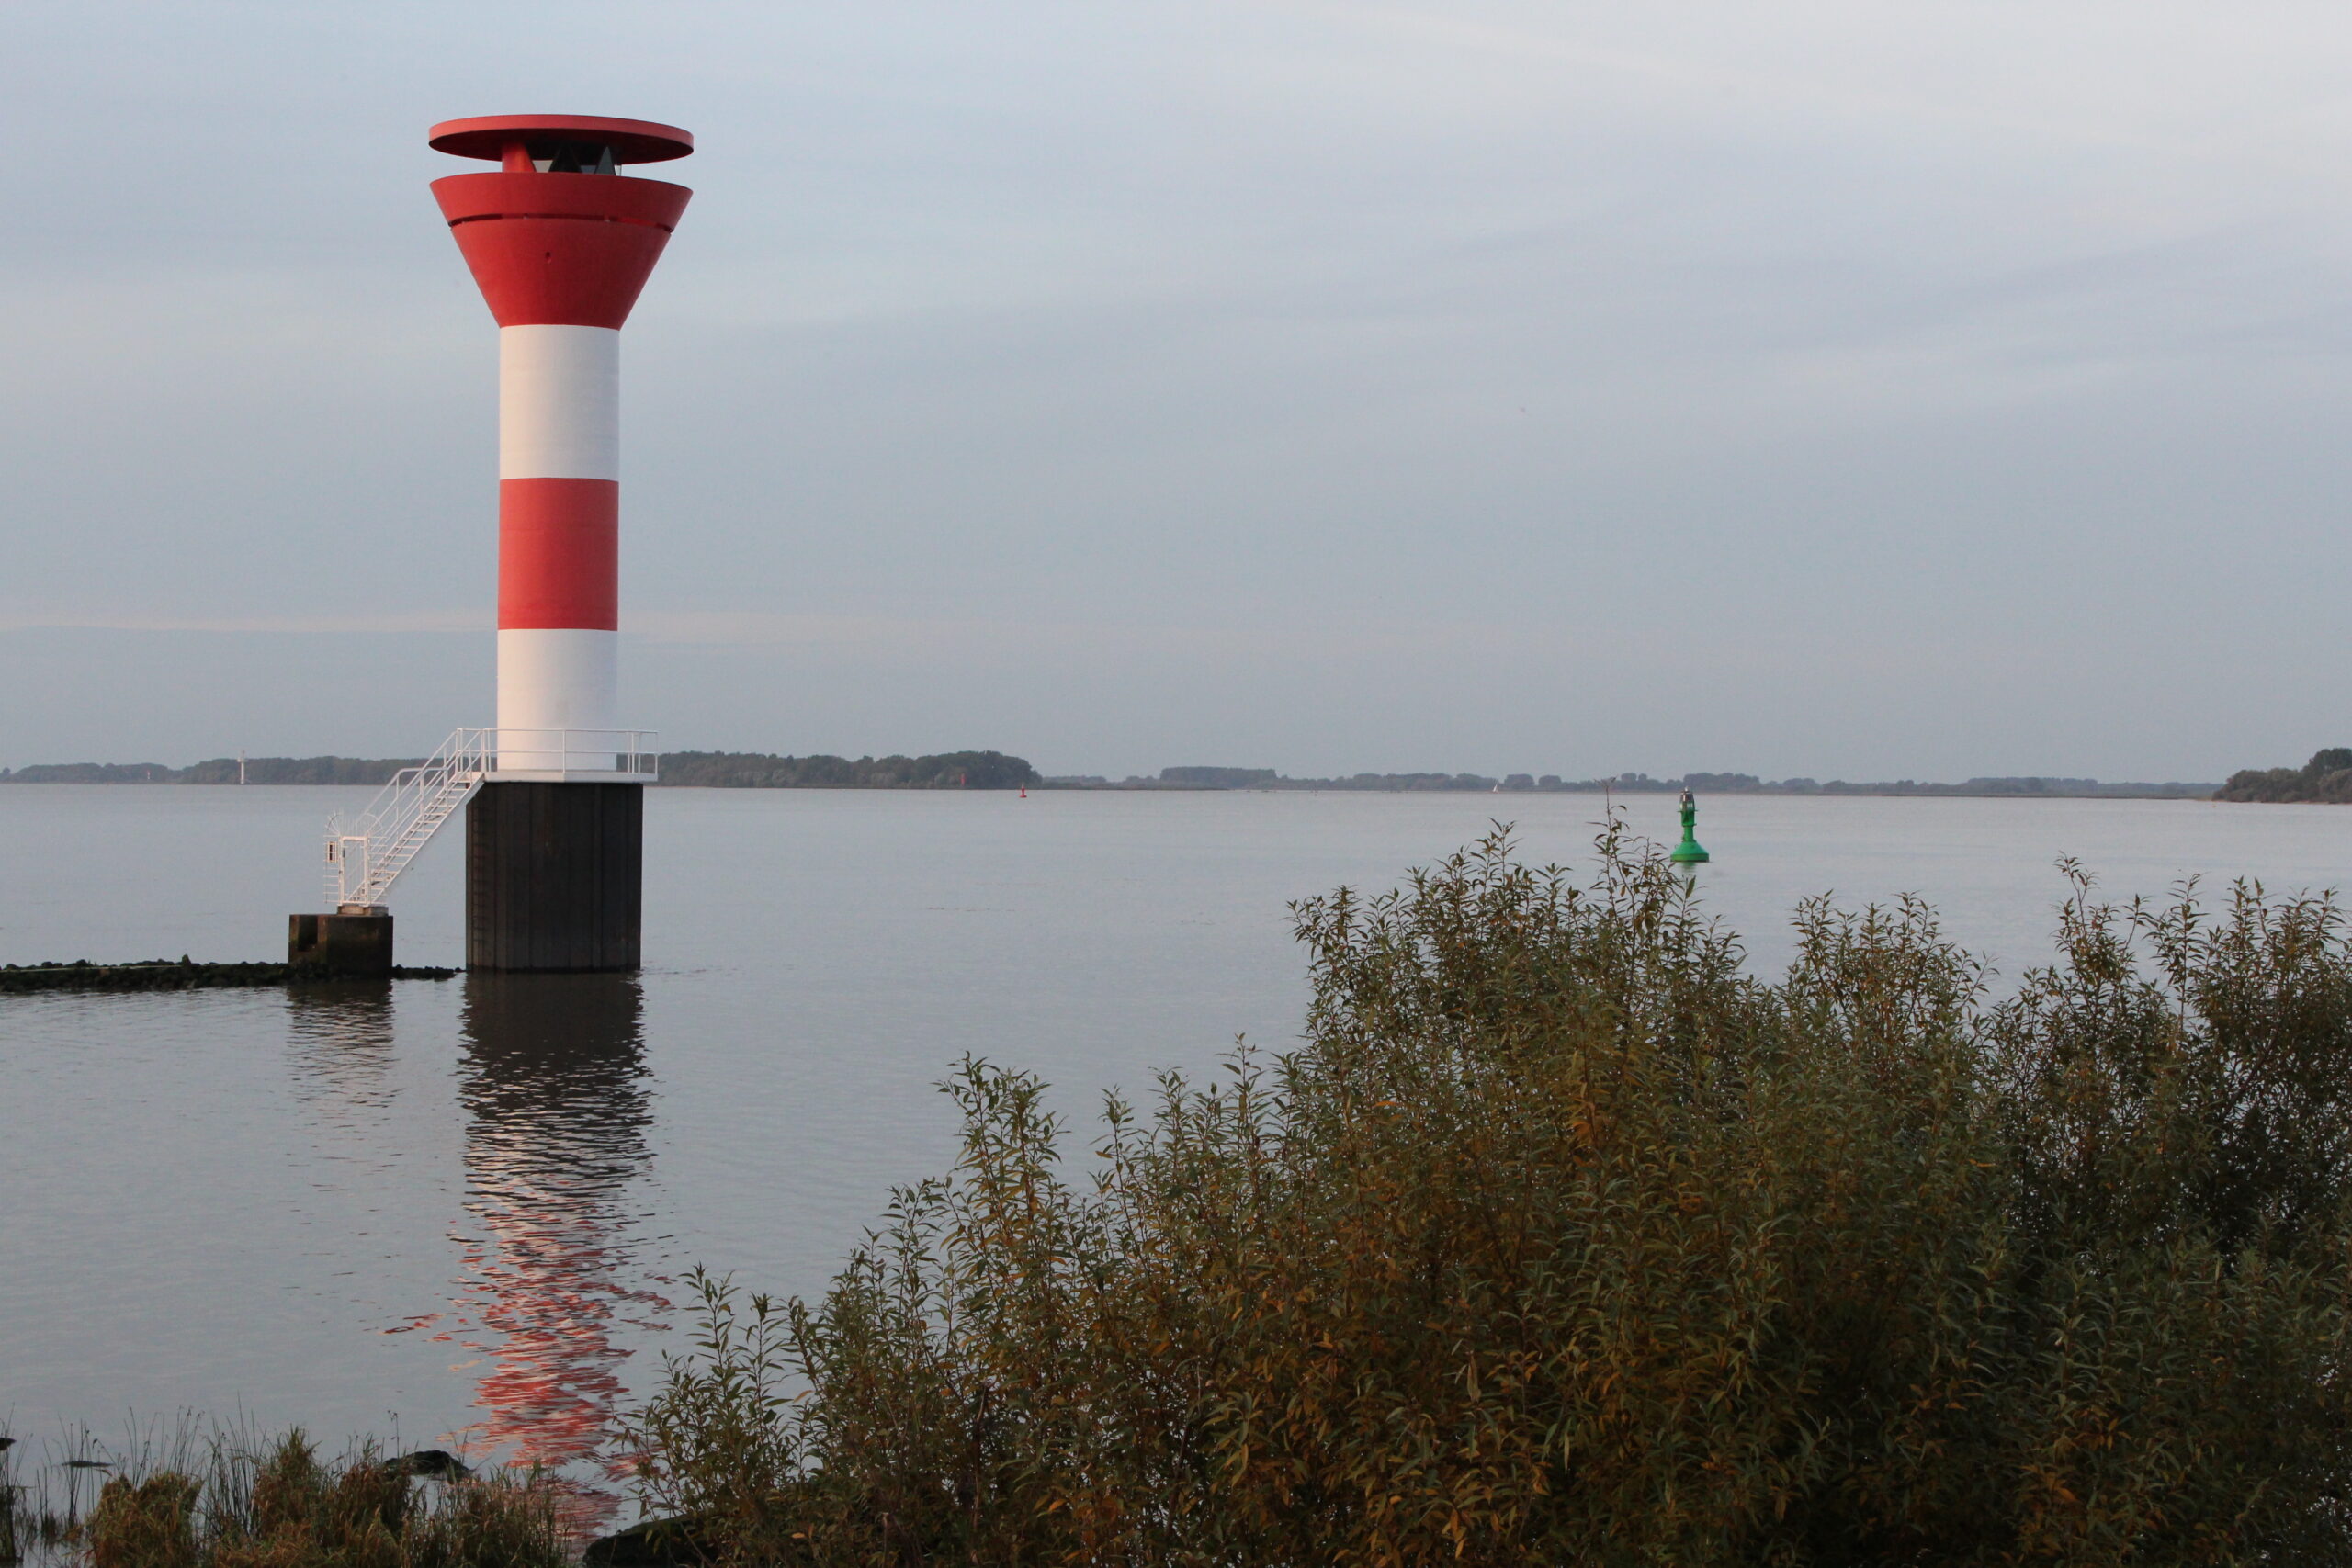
x=1687, y=852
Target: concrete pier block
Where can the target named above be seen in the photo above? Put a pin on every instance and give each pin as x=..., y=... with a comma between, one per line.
x=554, y=877
x=350, y=942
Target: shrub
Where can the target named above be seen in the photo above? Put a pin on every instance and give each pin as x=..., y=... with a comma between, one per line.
x=1563, y=1240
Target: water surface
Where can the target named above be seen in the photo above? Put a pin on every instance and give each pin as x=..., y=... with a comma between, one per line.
x=463, y=1208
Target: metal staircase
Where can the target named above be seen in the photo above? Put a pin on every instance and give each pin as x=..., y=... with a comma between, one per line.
x=366, y=854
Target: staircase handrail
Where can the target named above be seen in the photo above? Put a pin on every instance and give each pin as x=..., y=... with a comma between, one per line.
x=366, y=855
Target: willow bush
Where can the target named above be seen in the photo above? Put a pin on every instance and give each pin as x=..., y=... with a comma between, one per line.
x=1561, y=1240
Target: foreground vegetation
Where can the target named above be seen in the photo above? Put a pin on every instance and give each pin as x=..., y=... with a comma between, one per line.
x=1560, y=1240
x=220, y=1498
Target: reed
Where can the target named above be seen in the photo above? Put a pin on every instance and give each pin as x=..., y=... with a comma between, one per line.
x=194, y=1493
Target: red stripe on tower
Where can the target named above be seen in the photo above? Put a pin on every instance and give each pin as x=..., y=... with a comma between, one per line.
x=558, y=554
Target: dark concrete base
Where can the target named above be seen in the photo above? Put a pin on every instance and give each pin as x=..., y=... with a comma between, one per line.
x=340, y=944
x=554, y=875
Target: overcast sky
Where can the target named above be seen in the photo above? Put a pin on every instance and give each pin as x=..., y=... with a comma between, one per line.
x=1847, y=389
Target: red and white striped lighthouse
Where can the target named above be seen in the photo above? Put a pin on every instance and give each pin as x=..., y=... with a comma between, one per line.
x=560, y=243
x=560, y=255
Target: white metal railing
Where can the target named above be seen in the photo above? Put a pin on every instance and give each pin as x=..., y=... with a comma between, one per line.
x=570, y=753
x=366, y=853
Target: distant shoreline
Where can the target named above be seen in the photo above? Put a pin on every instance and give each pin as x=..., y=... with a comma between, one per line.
x=999, y=770
x=2025, y=788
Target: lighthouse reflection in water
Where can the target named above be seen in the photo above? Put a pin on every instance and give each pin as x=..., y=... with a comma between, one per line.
x=553, y=1085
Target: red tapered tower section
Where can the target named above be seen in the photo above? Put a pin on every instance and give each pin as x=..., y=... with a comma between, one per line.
x=561, y=242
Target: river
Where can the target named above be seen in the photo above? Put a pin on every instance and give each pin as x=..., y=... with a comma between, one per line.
x=460, y=1210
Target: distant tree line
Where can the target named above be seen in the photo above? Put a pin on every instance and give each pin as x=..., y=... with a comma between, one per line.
x=1630, y=783
x=756, y=770
x=995, y=770
x=2326, y=778
x=218, y=771
x=721, y=770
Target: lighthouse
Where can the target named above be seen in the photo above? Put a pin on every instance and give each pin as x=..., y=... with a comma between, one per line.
x=561, y=242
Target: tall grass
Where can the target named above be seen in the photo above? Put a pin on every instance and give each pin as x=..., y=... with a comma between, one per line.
x=1562, y=1239
x=197, y=1495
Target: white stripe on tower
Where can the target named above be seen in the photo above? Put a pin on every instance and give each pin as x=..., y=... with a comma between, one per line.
x=559, y=403
x=555, y=678
x=559, y=398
